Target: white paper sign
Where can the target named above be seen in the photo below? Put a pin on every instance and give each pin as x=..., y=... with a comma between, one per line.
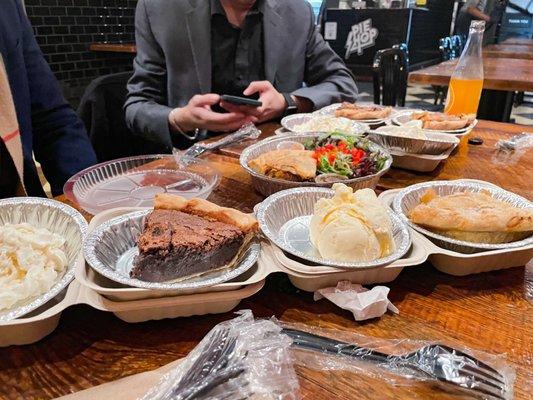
x=330, y=31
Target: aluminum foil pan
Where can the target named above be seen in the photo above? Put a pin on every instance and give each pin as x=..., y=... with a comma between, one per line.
x=291, y=123
x=330, y=110
x=409, y=198
x=112, y=246
x=284, y=218
x=57, y=218
x=267, y=185
x=405, y=116
x=433, y=144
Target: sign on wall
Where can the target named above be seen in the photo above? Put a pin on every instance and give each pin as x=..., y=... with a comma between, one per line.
x=361, y=36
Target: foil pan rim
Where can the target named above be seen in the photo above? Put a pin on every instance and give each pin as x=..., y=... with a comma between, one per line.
x=458, y=132
x=68, y=276
x=273, y=237
x=89, y=246
x=398, y=201
x=360, y=127
x=327, y=110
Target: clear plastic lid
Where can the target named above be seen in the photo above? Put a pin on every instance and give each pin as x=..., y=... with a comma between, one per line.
x=134, y=181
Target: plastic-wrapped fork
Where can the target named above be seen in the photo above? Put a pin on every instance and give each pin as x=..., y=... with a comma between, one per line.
x=517, y=142
x=434, y=361
x=248, y=131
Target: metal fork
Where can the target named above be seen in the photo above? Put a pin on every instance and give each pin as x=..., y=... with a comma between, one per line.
x=248, y=131
x=435, y=361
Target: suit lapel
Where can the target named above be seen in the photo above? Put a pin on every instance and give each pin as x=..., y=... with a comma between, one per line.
x=272, y=39
x=199, y=30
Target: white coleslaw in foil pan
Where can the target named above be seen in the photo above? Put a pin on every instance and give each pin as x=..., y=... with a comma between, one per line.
x=58, y=218
x=304, y=123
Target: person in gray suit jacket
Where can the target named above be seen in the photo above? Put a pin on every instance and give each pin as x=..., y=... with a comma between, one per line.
x=189, y=52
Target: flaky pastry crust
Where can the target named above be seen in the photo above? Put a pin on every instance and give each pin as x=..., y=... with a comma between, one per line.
x=441, y=121
x=281, y=163
x=206, y=209
x=355, y=112
x=470, y=212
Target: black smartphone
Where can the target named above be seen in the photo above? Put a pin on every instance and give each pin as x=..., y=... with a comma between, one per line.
x=240, y=101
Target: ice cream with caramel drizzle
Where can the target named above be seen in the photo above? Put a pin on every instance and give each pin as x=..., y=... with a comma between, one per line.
x=352, y=227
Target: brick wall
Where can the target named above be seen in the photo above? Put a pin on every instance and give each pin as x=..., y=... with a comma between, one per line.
x=65, y=28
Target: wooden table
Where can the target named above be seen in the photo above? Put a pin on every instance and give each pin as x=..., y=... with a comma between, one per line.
x=518, y=41
x=114, y=47
x=504, y=50
x=503, y=77
x=487, y=311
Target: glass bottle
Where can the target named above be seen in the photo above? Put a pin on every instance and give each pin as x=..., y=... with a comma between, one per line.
x=466, y=82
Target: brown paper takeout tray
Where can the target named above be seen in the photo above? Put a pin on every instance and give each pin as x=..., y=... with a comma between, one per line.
x=136, y=305
x=418, y=162
x=460, y=264
x=272, y=259
x=36, y=326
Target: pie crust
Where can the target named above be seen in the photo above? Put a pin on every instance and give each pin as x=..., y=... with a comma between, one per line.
x=441, y=121
x=294, y=165
x=355, y=112
x=203, y=208
x=475, y=217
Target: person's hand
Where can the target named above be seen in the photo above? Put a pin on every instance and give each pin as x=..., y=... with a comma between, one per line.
x=198, y=114
x=274, y=103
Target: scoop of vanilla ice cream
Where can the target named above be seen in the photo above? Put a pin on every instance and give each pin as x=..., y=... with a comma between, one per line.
x=351, y=227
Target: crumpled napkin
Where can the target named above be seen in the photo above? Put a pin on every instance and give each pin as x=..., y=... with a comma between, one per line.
x=362, y=302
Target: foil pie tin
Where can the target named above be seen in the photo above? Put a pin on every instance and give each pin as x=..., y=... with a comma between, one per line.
x=330, y=110
x=404, y=117
x=409, y=198
x=57, y=218
x=284, y=218
x=292, y=121
x=267, y=185
x=433, y=144
x=111, y=248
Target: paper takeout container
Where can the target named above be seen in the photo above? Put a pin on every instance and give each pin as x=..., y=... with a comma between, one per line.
x=272, y=259
x=37, y=325
x=461, y=264
x=418, y=162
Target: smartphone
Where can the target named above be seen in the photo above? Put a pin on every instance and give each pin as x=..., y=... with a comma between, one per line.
x=240, y=101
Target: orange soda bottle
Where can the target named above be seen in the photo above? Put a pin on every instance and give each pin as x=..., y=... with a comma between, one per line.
x=466, y=82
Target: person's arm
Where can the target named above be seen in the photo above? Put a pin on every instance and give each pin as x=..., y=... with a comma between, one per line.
x=60, y=142
x=327, y=78
x=473, y=11
x=146, y=110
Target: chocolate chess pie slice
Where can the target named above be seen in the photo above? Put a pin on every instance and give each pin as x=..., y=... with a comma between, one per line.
x=185, y=238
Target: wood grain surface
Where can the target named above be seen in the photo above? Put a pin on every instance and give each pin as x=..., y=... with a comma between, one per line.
x=114, y=47
x=505, y=50
x=487, y=312
x=519, y=41
x=509, y=74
